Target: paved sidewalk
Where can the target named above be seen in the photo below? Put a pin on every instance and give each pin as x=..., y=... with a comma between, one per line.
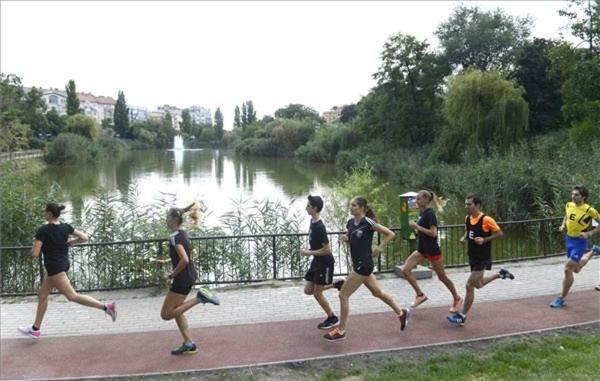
x=139, y=310
x=289, y=341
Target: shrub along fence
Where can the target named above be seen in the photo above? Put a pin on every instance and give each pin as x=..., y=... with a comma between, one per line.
x=255, y=258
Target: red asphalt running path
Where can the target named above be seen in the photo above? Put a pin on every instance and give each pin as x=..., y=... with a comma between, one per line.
x=252, y=344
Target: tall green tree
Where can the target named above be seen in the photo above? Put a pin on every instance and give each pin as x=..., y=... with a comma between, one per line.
x=237, y=121
x=405, y=106
x=485, y=111
x=244, y=116
x=13, y=133
x=584, y=17
x=121, y=117
x=250, y=113
x=73, y=106
x=579, y=70
x=11, y=97
x=33, y=111
x=219, y=124
x=542, y=85
x=348, y=113
x=186, y=121
x=297, y=111
x=168, y=121
x=56, y=122
x=486, y=40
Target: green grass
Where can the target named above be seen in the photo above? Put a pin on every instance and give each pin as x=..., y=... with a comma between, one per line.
x=558, y=358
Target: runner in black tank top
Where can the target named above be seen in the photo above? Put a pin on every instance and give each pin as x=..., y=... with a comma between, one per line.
x=480, y=230
x=427, y=229
x=52, y=240
x=360, y=236
x=480, y=256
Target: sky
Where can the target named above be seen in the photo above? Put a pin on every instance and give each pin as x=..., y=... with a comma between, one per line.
x=320, y=54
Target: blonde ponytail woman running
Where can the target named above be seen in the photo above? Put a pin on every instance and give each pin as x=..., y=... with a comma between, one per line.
x=183, y=276
x=428, y=248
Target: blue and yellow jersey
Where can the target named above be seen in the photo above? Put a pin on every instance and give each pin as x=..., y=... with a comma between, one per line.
x=579, y=218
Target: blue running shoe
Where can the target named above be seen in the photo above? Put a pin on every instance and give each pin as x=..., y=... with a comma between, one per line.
x=185, y=349
x=205, y=296
x=558, y=303
x=596, y=249
x=457, y=319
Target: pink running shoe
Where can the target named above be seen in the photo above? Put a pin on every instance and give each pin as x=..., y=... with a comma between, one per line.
x=110, y=308
x=28, y=331
x=419, y=299
x=456, y=305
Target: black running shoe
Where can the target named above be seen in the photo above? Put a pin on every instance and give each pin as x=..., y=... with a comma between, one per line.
x=330, y=322
x=185, y=349
x=338, y=284
x=504, y=274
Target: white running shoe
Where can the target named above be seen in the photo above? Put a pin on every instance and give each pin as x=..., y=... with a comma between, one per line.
x=28, y=331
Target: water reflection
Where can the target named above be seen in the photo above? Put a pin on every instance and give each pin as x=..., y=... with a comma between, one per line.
x=178, y=160
x=214, y=176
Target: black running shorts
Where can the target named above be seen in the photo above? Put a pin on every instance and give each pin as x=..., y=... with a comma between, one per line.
x=364, y=268
x=480, y=264
x=56, y=268
x=321, y=274
x=181, y=288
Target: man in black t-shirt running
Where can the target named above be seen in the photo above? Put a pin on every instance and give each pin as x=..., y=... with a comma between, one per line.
x=320, y=274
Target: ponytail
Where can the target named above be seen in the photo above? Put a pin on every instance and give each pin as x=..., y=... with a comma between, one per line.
x=191, y=211
x=363, y=203
x=438, y=202
x=370, y=213
x=194, y=213
x=54, y=209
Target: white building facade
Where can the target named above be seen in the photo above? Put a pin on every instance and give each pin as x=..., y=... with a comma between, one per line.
x=97, y=107
x=138, y=114
x=200, y=115
x=56, y=99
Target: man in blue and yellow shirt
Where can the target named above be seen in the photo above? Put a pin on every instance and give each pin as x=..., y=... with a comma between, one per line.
x=577, y=223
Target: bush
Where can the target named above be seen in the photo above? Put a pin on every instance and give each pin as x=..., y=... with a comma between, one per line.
x=257, y=147
x=69, y=148
x=23, y=195
x=207, y=134
x=230, y=138
x=110, y=147
x=82, y=125
x=146, y=137
x=289, y=134
x=585, y=133
x=280, y=137
x=35, y=143
x=326, y=143
x=314, y=152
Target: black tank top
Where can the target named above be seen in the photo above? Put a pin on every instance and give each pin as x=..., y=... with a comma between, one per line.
x=476, y=230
